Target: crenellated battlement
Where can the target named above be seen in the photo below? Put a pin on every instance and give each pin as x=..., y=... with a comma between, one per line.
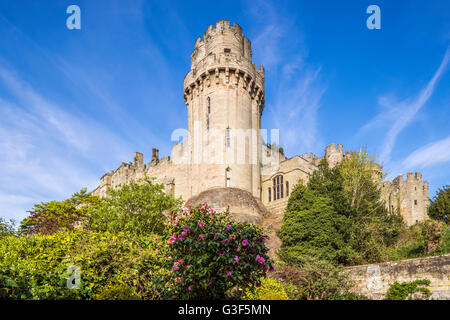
x=224, y=58
x=411, y=177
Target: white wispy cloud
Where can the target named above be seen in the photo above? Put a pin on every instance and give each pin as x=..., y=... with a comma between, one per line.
x=295, y=87
x=399, y=114
x=429, y=155
x=47, y=153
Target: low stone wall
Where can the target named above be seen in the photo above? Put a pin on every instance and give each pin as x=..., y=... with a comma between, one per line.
x=373, y=280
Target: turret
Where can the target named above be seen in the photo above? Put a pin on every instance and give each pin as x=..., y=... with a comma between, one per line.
x=334, y=155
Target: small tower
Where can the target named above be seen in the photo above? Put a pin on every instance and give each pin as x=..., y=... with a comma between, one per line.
x=224, y=94
x=333, y=155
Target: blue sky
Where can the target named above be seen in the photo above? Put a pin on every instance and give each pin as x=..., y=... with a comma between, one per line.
x=74, y=104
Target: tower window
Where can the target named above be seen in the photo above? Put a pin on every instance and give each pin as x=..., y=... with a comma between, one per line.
x=287, y=188
x=209, y=104
x=226, y=50
x=228, y=142
x=415, y=202
x=227, y=177
x=278, y=187
x=270, y=194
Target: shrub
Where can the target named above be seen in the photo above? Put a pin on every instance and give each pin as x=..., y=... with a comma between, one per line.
x=408, y=290
x=270, y=289
x=314, y=279
x=36, y=267
x=215, y=257
x=136, y=208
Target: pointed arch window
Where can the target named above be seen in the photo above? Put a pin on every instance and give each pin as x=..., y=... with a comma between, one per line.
x=209, y=111
x=228, y=138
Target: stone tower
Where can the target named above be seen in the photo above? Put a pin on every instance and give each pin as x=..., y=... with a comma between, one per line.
x=224, y=94
x=410, y=197
x=334, y=155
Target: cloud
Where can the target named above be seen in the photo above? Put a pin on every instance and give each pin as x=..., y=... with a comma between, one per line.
x=47, y=153
x=294, y=88
x=401, y=113
x=429, y=155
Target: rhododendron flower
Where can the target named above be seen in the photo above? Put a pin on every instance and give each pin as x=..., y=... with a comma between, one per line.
x=236, y=258
x=201, y=224
x=181, y=261
x=221, y=253
x=201, y=236
x=172, y=239
x=189, y=288
x=180, y=237
x=244, y=243
x=260, y=259
x=156, y=251
x=228, y=273
x=183, y=233
x=186, y=210
x=224, y=241
x=232, y=236
x=175, y=223
x=211, y=211
x=228, y=226
x=203, y=207
x=175, y=268
x=185, y=228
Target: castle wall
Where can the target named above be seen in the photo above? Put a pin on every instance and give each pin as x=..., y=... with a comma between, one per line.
x=374, y=280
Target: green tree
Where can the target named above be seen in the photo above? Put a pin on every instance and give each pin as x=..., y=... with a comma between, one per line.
x=440, y=205
x=7, y=228
x=339, y=215
x=137, y=208
x=54, y=216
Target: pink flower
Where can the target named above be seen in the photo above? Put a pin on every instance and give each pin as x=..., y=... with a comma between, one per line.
x=228, y=226
x=181, y=261
x=180, y=237
x=175, y=268
x=260, y=259
x=203, y=207
x=224, y=241
x=156, y=251
x=201, y=236
x=244, y=243
x=175, y=223
x=236, y=258
x=189, y=288
x=232, y=236
x=172, y=239
x=228, y=273
x=186, y=210
x=221, y=253
x=211, y=211
x=183, y=233
x=204, y=203
x=201, y=224
x=185, y=228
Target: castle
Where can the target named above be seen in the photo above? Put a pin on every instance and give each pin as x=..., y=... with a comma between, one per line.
x=223, y=159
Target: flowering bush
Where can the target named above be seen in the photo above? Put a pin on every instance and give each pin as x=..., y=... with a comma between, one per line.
x=214, y=257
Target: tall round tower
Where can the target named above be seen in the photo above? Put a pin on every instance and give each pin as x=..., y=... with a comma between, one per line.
x=224, y=94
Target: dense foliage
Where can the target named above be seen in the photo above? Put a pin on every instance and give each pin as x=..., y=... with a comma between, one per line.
x=408, y=290
x=313, y=279
x=339, y=216
x=215, y=257
x=37, y=266
x=54, y=216
x=440, y=205
x=135, y=208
